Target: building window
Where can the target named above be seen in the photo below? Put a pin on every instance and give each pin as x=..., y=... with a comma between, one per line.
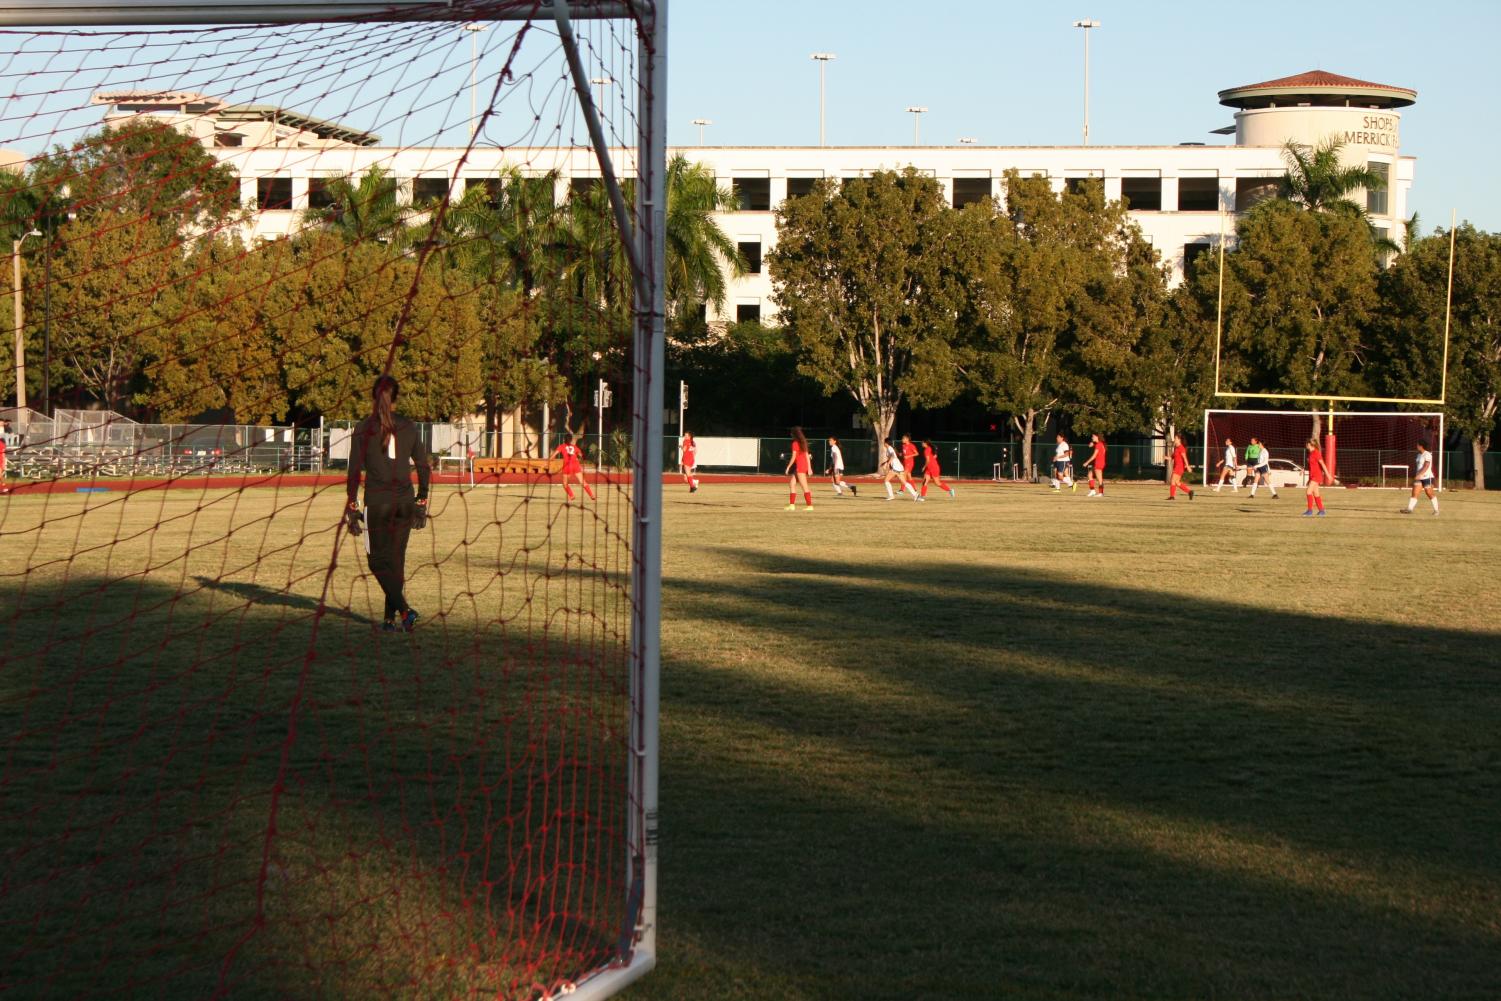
x=228, y=139
x=579, y=187
x=1198, y=194
x=968, y=190
x=1376, y=201
x=751, y=251
x=1091, y=186
x=272, y=193
x=1191, y=253
x=1251, y=190
x=752, y=194
x=318, y=195
x=748, y=312
x=797, y=187
x=1142, y=194
x=429, y=189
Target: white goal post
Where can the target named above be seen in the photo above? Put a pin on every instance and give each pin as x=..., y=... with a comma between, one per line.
x=1369, y=447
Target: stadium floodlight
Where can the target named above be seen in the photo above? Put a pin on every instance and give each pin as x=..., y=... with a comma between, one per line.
x=822, y=59
x=286, y=818
x=917, y=111
x=474, y=30
x=701, y=122
x=1086, y=24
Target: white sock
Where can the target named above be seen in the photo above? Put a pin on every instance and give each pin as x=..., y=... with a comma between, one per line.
x=1434, y=502
x=889, y=494
x=1412, y=502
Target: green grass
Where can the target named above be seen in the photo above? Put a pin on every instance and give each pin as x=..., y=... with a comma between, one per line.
x=1010, y=745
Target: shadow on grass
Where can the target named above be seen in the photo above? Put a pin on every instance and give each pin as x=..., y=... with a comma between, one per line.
x=1072, y=790
x=209, y=796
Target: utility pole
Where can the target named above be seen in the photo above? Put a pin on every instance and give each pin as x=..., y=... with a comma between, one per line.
x=1086, y=25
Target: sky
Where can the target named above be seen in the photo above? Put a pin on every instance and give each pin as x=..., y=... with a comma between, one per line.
x=1012, y=75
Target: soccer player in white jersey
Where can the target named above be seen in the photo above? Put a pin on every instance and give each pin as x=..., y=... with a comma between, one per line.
x=1063, y=466
x=891, y=462
x=836, y=469
x=1423, y=476
x=1228, y=468
x=1259, y=459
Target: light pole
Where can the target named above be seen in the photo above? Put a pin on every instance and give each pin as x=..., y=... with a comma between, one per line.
x=474, y=30
x=1086, y=24
x=15, y=258
x=701, y=122
x=601, y=82
x=822, y=58
x=917, y=113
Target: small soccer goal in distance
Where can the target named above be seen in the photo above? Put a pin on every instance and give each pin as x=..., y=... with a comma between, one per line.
x=1364, y=448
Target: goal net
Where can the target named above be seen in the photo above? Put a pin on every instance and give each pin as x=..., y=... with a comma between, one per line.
x=1363, y=448
x=232, y=765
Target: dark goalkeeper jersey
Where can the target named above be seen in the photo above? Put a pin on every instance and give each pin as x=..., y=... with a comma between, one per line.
x=383, y=474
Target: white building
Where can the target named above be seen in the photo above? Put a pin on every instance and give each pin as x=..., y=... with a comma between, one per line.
x=1176, y=193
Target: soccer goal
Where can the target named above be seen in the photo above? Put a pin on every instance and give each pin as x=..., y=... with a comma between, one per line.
x=1367, y=449
x=224, y=775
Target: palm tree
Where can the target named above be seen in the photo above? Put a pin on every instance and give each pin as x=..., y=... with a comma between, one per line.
x=696, y=245
x=363, y=210
x=1317, y=180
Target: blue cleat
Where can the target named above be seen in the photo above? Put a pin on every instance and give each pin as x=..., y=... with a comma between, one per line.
x=409, y=621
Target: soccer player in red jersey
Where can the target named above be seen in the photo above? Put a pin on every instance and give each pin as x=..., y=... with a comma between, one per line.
x=573, y=465
x=688, y=461
x=1096, y=466
x=4, y=429
x=931, y=473
x=1181, y=465
x=909, y=455
x=1318, y=472
x=799, y=468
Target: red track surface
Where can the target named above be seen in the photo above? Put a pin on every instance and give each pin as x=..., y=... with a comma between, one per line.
x=279, y=481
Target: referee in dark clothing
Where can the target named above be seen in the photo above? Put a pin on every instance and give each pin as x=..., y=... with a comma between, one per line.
x=385, y=448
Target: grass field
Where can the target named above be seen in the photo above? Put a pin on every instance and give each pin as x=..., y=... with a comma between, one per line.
x=1011, y=745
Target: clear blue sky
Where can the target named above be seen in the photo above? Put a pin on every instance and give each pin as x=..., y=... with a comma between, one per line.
x=1012, y=74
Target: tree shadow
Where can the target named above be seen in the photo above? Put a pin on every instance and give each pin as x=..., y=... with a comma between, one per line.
x=249, y=798
x=1066, y=789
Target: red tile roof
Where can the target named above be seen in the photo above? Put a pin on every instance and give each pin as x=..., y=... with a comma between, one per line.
x=1319, y=78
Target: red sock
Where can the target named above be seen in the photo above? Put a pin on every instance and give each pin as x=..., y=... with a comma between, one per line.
x=943, y=486
x=1172, y=489
x=925, y=490
x=1310, y=502
x=568, y=490
x=587, y=490
x=1320, y=502
x=792, y=497
x=807, y=498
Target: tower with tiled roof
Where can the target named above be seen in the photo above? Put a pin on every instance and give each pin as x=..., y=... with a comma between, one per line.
x=1312, y=107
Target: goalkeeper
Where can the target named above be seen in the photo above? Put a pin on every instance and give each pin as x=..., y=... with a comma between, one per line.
x=385, y=448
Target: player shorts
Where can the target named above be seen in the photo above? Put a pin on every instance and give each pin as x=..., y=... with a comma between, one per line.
x=1061, y=466
x=1426, y=481
x=1262, y=471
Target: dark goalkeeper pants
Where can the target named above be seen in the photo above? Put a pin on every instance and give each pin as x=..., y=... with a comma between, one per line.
x=389, y=520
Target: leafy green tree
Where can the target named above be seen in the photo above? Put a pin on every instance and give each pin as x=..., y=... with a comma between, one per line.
x=1300, y=290
x=143, y=168
x=1411, y=332
x=1060, y=287
x=107, y=276
x=333, y=311
x=865, y=277
x=209, y=347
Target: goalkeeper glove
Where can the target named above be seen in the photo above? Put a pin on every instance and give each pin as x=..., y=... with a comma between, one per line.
x=354, y=520
x=421, y=518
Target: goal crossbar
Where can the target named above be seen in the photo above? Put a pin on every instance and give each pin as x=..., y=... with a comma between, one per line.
x=68, y=13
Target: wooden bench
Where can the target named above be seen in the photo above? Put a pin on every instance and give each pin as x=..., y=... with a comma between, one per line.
x=518, y=464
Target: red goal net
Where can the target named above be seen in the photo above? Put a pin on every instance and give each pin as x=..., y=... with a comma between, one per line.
x=1365, y=449
x=228, y=769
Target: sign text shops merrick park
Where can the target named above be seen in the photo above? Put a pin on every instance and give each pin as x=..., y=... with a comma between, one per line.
x=1375, y=130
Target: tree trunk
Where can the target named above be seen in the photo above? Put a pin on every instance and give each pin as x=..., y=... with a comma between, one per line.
x=1167, y=466
x=1026, y=427
x=1479, y=446
x=885, y=421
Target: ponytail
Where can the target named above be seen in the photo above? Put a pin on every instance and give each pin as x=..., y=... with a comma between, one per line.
x=383, y=410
